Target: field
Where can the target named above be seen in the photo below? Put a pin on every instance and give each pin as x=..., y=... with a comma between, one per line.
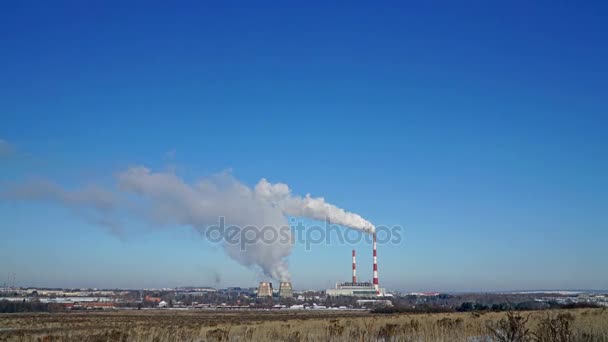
x=164, y=325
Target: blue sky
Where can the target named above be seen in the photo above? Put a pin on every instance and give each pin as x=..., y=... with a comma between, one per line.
x=480, y=128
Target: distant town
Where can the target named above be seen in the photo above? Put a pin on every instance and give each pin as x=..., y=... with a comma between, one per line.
x=285, y=298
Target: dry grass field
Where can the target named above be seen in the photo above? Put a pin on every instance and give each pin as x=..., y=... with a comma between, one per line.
x=574, y=325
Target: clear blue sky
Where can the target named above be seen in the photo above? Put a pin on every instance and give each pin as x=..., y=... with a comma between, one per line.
x=481, y=128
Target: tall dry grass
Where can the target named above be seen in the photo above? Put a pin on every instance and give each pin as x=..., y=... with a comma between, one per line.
x=588, y=325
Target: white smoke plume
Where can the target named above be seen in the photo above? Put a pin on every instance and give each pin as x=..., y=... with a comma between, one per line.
x=169, y=199
x=163, y=198
x=280, y=196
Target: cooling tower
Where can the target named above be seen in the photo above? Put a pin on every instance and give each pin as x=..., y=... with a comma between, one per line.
x=285, y=290
x=265, y=289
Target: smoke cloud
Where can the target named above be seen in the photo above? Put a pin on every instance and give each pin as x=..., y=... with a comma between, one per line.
x=94, y=204
x=280, y=196
x=89, y=196
x=168, y=199
x=163, y=198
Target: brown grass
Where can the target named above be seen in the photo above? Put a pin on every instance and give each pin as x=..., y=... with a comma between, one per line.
x=584, y=325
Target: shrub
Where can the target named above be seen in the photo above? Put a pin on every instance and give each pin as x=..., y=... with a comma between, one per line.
x=555, y=329
x=511, y=329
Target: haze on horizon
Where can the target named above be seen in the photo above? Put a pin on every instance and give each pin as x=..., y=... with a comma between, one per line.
x=481, y=130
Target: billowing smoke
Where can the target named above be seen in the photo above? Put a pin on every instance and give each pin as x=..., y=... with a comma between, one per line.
x=163, y=198
x=168, y=199
x=280, y=196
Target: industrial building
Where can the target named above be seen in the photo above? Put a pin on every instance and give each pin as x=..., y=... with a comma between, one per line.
x=365, y=289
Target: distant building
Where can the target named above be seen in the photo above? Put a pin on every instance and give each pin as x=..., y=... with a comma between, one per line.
x=374, y=302
x=365, y=289
x=151, y=299
x=425, y=294
x=91, y=305
x=238, y=291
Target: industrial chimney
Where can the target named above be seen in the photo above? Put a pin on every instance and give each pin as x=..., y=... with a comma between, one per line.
x=354, y=267
x=376, y=268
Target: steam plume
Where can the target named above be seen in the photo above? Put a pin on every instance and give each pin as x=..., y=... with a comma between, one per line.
x=168, y=199
x=280, y=196
x=163, y=198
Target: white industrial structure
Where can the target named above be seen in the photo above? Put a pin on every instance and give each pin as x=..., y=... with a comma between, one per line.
x=365, y=289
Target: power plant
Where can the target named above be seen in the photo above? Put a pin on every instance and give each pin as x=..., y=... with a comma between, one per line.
x=363, y=289
x=352, y=288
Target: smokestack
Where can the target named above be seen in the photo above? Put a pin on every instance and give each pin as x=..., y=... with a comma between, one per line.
x=354, y=267
x=376, y=267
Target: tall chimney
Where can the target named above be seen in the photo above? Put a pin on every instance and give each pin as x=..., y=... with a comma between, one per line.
x=354, y=267
x=376, y=267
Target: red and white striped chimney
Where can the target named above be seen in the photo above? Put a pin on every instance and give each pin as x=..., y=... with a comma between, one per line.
x=354, y=267
x=376, y=267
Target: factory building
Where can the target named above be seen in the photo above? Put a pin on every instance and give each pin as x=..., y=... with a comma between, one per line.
x=365, y=289
x=265, y=290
